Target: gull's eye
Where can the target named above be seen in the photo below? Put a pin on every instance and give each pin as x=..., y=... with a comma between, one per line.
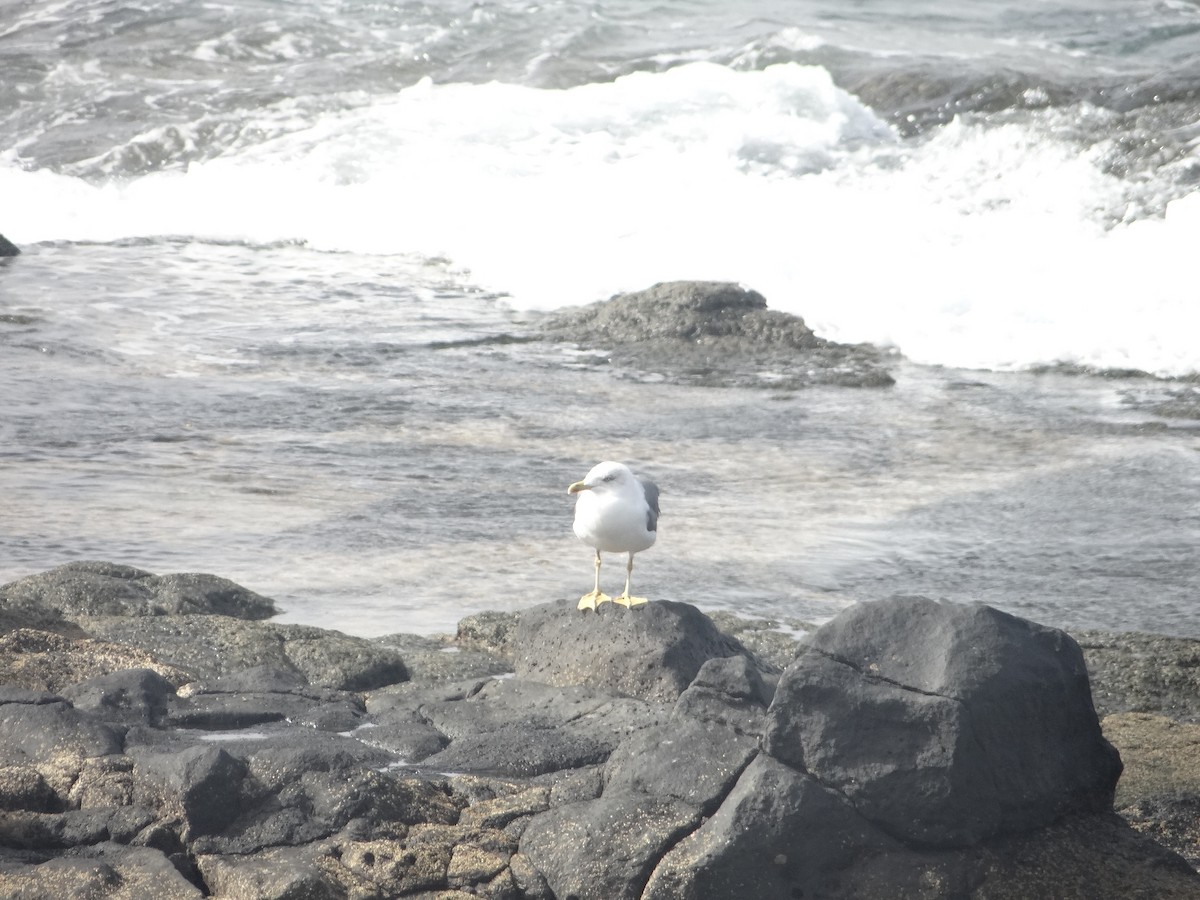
x=610, y=477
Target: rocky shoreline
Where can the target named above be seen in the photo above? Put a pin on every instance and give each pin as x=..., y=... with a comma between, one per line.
x=159, y=736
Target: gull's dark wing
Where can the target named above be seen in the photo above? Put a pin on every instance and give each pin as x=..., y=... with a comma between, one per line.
x=650, y=489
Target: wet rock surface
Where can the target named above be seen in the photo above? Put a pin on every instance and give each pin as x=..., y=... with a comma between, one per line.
x=714, y=333
x=550, y=753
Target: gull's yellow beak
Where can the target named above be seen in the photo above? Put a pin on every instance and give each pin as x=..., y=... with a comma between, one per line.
x=577, y=487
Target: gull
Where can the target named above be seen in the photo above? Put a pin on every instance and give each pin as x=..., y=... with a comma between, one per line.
x=618, y=513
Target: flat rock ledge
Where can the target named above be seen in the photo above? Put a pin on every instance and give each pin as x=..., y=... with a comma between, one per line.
x=159, y=747
x=713, y=333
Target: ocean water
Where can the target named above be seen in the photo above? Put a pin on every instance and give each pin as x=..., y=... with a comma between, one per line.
x=276, y=255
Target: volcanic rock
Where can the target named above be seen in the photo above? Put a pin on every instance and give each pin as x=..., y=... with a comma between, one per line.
x=651, y=652
x=945, y=724
x=714, y=333
x=105, y=589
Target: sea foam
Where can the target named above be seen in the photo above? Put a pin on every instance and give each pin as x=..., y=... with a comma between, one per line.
x=986, y=244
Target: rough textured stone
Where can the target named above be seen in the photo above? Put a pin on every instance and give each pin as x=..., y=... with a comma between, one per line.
x=324, y=658
x=599, y=793
x=1143, y=673
x=106, y=589
x=201, y=785
x=73, y=827
x=667, y=761
x=440, y=658
x=287, y=873
x=1159, y=792
x=389, y=868
x=261, y=695
x=491, y=632
x=525, y=728
x=728, y=691
x=52, y=727
x=773, y=642
x=103, y=872
x=945, y=723
x=652, y=652
x=1085, y=857
x=102, y=781
x=25, y=788
x=44, y=661
x=282, y=789
x=779, y=833
x=500, y=811
x=129, y=696
x=36, y=618
x=605, y=849
x=715, y=333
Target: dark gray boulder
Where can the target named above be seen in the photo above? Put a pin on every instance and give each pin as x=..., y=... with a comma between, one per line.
x=106, y=589
x=202, y=786
x=688, y=759
x=605, y=849
x=651, y=652
x=715, y=333
x=124, y=697
x=8, y=248
x=43, y=727
x=945, y=724
x=779, y=833
x=729, y=691
x=406, y=734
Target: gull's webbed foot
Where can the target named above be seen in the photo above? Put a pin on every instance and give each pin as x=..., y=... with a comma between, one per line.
x=629, y=602
x=594, y=599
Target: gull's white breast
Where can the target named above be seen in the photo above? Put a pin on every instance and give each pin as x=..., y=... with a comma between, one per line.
x=614, y=522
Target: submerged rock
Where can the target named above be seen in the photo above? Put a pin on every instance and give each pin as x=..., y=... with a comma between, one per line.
x=716, y=334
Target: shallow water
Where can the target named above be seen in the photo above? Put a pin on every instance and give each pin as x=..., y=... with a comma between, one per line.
x=393, y=469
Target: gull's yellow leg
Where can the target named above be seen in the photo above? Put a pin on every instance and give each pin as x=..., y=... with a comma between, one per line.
x=626, y=600
x=595, y=598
